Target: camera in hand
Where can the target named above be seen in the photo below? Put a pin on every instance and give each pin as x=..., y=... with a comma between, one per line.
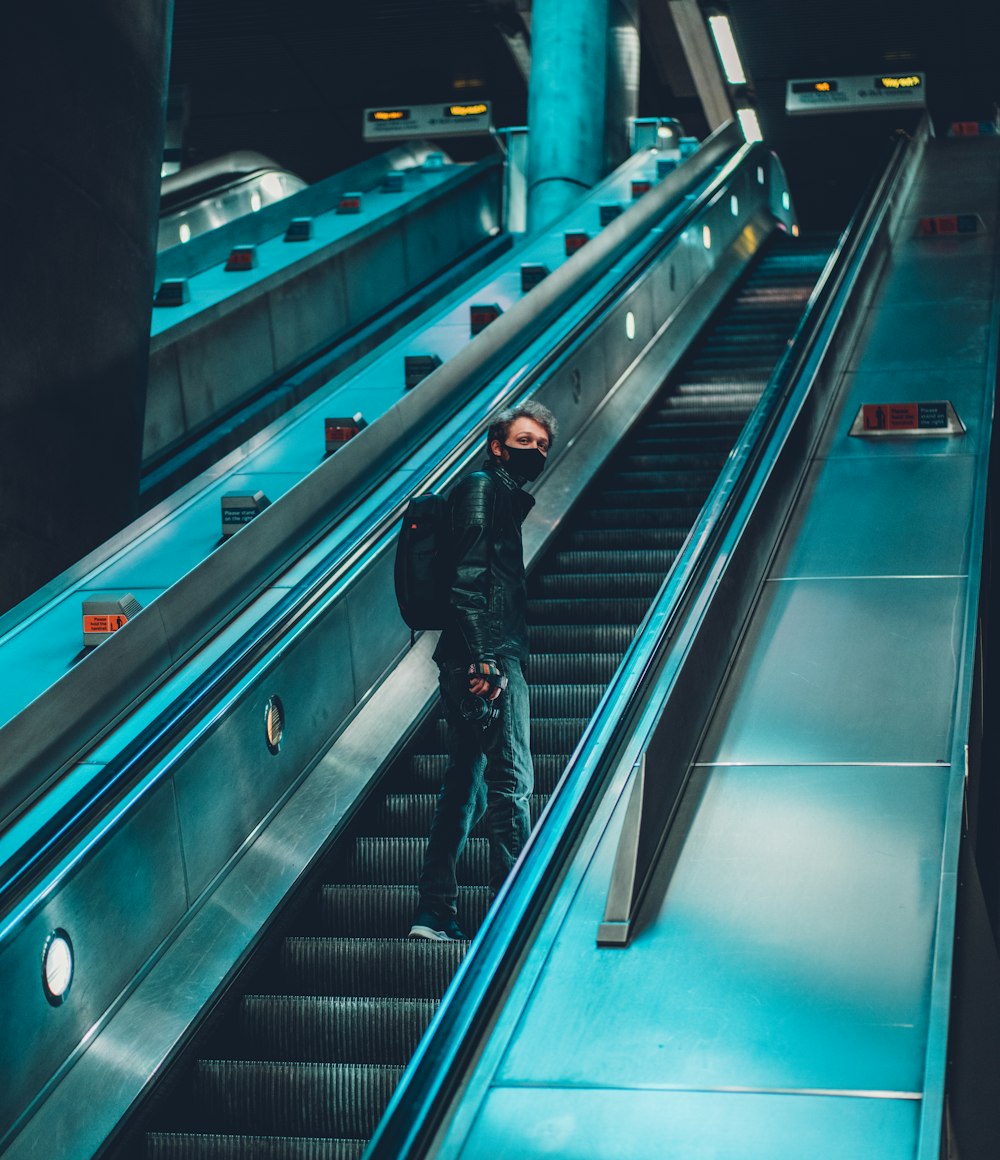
x=479, y=709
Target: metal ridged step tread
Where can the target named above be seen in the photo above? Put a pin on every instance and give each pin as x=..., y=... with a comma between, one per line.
x=348, y=996
x=192, y=1146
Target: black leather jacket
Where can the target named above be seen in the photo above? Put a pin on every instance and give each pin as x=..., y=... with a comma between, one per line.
x=488, y=596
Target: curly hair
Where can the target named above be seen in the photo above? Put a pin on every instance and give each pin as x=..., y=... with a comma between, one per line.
x=529, y=409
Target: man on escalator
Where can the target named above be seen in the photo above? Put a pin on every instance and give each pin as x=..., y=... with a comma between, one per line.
x=480, y=656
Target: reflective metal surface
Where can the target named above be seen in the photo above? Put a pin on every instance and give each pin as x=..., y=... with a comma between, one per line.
x=822, y=676
x=593, y=1124
x=786, y=992
x=788, y=932
x=863, y=512
x=112, y=931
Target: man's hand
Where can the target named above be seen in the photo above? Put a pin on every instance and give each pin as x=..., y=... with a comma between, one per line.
x=486, y=679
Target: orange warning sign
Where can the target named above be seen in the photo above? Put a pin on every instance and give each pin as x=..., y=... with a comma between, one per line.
x=904, y=416
x=104, y=623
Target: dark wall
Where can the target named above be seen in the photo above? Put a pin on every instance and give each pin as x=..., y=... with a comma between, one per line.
x=81, y=88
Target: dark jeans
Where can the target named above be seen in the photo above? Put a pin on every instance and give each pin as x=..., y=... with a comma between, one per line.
x=489, y=771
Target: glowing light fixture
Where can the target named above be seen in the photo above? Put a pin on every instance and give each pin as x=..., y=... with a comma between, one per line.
x=732, y=66
x=184, y=233
x=274, y=724
x=630, y=326
x=749, y=124
x=706, y=237
x=734, y=205
x=57, y=966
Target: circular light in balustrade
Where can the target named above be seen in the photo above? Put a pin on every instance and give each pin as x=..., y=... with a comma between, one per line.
x=274, y=723
x=57, y=966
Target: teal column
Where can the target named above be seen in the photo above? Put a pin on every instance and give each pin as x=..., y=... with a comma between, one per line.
x=82, y=97
x=566, y=104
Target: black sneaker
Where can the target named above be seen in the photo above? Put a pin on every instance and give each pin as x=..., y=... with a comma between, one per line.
x=429, y=925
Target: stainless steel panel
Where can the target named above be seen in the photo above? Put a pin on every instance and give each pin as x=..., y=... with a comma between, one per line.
x=231, y=781
x=841, y=671
x=788, y=929
x=927, y=269
x=596, y=1124
x=309, y=309
x=220, y=363
x=441, y=228
x=909, y=336
x=164, y=414
x=116, y=906
x=375, y=628
x=895, y=515
x=376, y=262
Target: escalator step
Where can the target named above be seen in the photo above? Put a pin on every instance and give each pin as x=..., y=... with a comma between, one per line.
x=392, y=967
x=333, y=1029
x=564, y=699
x=627, y=610
x=646, y=453
x=551, y=735
x=306, y=1099
x=667, y=460
x=636, y=560
x=644, y=517
x=612, y=539
x=190, y=1146
x=694, y=429
x=427, y=770
x=409, y=815
x=725, y=393
x=685, y=479
x=570, y=585
x=736, y=407
x=650, y=498
x=397, y=861
x=571, y=667
x=363, y=911
x=572, y=638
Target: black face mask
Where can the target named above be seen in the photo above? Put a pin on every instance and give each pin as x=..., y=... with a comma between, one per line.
x=525, y=463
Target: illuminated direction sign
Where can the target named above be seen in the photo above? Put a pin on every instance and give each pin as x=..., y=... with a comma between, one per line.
x=456, y=118
x=854, y=94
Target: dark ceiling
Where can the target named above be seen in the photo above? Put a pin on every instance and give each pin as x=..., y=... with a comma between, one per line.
x=291, y=79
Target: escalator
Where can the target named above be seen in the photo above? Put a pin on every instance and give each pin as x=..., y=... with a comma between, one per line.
x=304, y=1066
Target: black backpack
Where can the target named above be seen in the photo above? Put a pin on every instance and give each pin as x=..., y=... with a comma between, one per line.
x=423, y=562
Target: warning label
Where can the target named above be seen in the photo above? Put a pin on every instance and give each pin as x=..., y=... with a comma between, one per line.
x=104, y=623
x=905, y=416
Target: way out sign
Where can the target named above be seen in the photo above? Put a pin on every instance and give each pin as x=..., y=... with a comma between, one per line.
x=907, y=419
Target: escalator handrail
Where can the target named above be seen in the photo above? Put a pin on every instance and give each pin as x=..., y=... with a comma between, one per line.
x=421, y=1101
x=115, y=779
